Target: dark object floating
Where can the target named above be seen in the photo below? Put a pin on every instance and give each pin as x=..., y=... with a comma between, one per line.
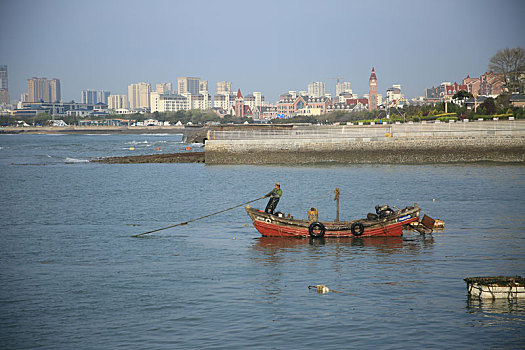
x=496, y=287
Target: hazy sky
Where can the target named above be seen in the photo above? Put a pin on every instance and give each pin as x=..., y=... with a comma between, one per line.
x=269, y=46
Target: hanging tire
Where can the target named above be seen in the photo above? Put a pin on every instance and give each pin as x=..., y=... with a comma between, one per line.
x=316, y=226
x=357, y=229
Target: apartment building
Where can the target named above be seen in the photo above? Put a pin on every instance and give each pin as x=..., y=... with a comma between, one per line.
x=169, y=102
x=163, y=88
x=42, y=89
x=139, y=95
x=116, y=102
x=188, y=85
x=224, y=88
x=317, y=89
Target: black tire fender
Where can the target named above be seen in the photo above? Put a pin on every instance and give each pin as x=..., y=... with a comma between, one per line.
x=357, y=229
x=319, y=226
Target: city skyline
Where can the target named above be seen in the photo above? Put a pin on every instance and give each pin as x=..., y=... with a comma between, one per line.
x=414, y=44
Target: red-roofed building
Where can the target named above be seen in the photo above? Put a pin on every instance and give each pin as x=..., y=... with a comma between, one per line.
x=289, y=106
x=451, y=90
x=354, y=101
x=240, y=109
x=488, y=84
x=491, y=84
x=472, y=84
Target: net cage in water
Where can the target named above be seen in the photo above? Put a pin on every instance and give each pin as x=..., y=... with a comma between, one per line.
x=496, y=287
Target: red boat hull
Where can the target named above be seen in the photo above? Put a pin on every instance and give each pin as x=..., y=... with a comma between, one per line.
x=270, y=225
x=273, y=230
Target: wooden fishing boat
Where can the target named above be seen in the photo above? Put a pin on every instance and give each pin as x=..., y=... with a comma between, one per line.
x=496, y=287
x=386, y=222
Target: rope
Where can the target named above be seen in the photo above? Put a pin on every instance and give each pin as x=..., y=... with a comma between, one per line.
x=199, y=218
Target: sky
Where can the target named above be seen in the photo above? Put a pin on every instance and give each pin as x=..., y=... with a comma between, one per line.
x=268, y=46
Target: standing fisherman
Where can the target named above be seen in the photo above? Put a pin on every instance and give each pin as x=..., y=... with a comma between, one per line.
x=274, y=195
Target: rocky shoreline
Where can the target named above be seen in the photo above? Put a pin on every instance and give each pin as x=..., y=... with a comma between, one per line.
x=189, y=157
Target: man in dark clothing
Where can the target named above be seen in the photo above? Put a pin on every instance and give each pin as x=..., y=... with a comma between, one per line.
x=274, y=195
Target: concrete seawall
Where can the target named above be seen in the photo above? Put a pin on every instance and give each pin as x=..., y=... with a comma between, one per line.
x=424, y=144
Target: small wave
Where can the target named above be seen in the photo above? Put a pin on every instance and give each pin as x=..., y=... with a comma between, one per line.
x=136, y=142
x=74, y=160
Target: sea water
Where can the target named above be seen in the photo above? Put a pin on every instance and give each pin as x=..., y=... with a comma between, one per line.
x=72, y=277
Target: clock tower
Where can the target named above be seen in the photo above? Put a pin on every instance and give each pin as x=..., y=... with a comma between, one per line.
x=372, y=95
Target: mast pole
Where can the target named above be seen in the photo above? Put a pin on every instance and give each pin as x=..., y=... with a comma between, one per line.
x=337, y=193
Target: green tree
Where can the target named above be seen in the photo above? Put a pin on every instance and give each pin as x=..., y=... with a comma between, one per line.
x=489, y=106
x=461, y=95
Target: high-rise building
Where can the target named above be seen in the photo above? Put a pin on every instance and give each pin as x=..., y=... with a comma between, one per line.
x=88, y=97
x=316, y=89
x=259, y=99
x=224, y=88
x=37, y=90
x=41, y=89
x=342, y=88
x=139, y=95
x=163, y=88
x=3, y=77
x=4, y=89
x=188, y=85
x=4, y=96
x=102, y=96
x=117, y=102
x=372, y=95
x=54, y=90
x=203, y=86
x=93, y=97
x=254, y=100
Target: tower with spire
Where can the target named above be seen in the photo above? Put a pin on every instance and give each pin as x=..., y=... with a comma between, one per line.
x=239, y=105
x=372, y=95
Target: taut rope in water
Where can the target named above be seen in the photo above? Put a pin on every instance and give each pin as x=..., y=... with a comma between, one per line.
x=192, y=220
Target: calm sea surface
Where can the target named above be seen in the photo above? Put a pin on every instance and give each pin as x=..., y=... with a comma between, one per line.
x=72, y=277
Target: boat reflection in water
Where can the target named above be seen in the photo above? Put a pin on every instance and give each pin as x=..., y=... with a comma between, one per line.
x=489, y=312
x=381, y=244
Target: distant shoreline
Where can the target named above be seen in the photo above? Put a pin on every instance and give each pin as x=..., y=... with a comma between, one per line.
x=93, y=130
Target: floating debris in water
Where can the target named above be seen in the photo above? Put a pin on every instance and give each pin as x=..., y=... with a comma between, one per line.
x=320, y=288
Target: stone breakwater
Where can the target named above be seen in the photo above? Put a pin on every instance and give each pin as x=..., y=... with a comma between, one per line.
x=415, y=143
x=189, y=157
x=388, y=151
